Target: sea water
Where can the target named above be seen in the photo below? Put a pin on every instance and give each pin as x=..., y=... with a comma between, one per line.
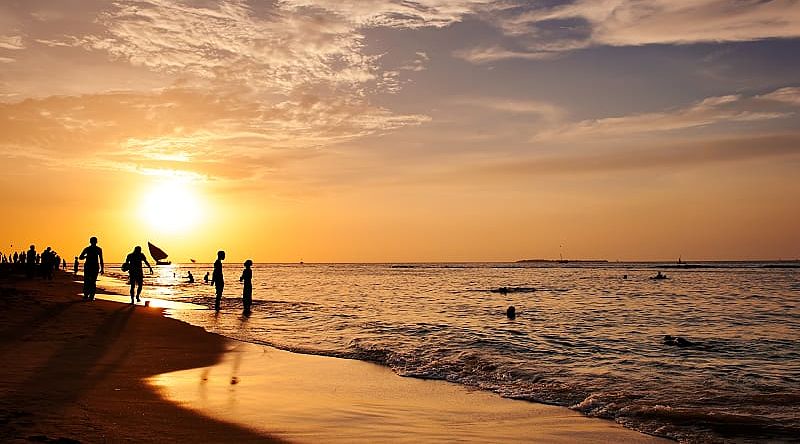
x=586, y=336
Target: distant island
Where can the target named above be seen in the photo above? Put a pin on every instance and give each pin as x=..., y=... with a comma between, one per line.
x=561, y=261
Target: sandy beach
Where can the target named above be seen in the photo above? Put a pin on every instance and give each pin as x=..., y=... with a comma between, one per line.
x=75, y=370
x=104, y=371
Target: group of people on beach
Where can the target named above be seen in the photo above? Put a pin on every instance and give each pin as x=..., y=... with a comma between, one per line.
x=134, y=265
x=44, y=264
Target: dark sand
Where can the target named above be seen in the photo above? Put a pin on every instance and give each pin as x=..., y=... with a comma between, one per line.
x=74, y=370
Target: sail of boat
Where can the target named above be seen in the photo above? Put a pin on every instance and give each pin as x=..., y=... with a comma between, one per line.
x=158, y=254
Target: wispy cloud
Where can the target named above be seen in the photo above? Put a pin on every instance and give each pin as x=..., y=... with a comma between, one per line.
x=186, y=129
x=676, y=155
x=251, y=82
x=539, y=30
x=391, y=13
x=709, y=111
x=12, y=42
x=488, y=54
x=545, y=110
x=789, y=95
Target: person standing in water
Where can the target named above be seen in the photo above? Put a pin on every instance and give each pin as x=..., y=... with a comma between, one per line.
x=133, y=263
x=217, y=279
x=247, y=287
x=93, y=265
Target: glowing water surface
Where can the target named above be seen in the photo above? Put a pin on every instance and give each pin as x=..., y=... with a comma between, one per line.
x=586, y=338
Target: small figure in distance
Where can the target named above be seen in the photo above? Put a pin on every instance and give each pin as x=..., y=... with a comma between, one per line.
x=206, y=278
x=217, y=279
x=190, y=277
x=135, y=272
x=93, y=265
x=511, y=312
x=64, y=264
x=247, y=287
x=624, y=276
x=75, y=266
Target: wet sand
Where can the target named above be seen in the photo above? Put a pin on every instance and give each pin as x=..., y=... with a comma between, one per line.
x=101, y=372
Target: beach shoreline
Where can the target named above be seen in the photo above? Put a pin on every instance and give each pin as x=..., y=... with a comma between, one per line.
x=84, y=372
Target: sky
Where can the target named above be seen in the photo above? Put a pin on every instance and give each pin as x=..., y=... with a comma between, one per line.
x=414, y=130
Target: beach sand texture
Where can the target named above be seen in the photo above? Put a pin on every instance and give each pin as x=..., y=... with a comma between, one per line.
x=103, y=371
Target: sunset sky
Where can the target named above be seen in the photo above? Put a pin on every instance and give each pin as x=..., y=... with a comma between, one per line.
x=389, y=130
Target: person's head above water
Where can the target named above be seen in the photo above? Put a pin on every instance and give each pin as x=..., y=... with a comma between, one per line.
x=93, y=240
x=248, y=263
x=221, y=255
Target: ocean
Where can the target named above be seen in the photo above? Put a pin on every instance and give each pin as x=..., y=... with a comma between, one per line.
x=587, y=336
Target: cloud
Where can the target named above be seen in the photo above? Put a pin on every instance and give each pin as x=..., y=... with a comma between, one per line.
x=185, y=130
x=546, y=110
x=267, y=50
x=680, y=155
x=789, y=95
x=12, y=42
x=392, y=13
x=488, y=54
x=270, y=48
x=418, y=64
x=585, y=23
x=241, y=88
x=709, y=111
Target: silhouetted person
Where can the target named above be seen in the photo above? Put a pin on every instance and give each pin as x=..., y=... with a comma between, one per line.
x=75, y=266
x=44, y=262
x=30, y=261
x=217, y=279
x=134, y=262
x=93, y=265
x=64, y=264
x=190, y=277
x=247, y=286
x=206, y=278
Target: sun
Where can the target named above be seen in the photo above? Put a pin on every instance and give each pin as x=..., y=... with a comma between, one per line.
x=171, y=207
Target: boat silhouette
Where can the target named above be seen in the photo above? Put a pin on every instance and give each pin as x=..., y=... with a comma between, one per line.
x=158, y=255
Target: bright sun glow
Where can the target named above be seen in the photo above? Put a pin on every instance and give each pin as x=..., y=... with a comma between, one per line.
x=171, y=207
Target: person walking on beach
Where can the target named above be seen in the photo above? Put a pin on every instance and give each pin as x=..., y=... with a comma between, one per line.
x=247, y=287
x=93, y=265
x=217, y=279
x=75, y=266
x=133, y=263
